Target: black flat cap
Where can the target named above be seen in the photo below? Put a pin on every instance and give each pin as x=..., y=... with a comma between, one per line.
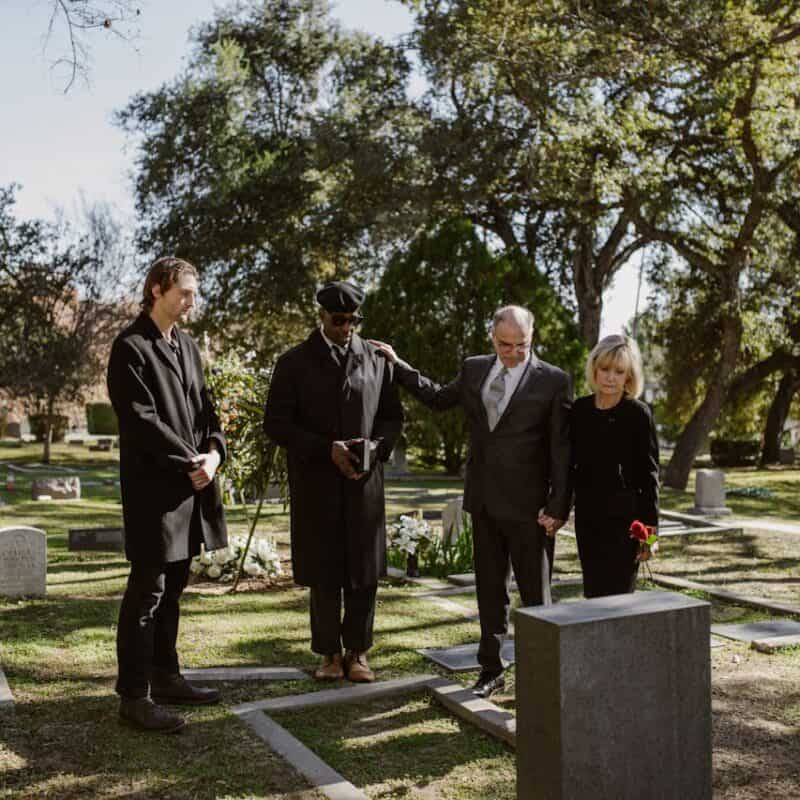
x=340, y=297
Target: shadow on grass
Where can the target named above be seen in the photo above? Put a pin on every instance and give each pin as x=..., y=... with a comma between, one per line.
x=82, y=750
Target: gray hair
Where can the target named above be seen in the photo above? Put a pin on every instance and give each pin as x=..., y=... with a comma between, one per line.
x=517, y=315
x=617, y=350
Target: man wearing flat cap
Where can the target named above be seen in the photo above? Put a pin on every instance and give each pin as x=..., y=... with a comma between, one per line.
x=328, y=395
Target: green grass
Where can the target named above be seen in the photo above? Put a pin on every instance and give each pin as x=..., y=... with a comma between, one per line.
x=64, y=739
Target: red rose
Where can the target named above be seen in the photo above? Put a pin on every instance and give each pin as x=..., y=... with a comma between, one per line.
x=639, y=531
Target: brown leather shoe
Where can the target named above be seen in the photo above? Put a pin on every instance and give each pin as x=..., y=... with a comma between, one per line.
x=177, y=691
x=357, y=669
x=143, y=713
x=331, y=668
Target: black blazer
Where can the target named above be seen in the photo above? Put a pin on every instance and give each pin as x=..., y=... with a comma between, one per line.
x=164, y=421
x=615, y=461
x=338, y=525
x=523, y=464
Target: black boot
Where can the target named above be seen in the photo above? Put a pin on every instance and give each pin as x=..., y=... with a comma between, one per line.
x=176, y=690
x=143, y=713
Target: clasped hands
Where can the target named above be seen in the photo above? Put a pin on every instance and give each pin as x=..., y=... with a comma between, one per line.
x=205, y=467
x=550, y=524
x=344, y=459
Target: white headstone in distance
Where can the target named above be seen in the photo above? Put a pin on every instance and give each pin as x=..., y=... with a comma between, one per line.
x=23, y=562
x=709, y=493
x=453, y=520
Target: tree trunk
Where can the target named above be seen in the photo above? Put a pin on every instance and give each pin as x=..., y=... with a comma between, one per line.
x=588, y=294
x=776, y=418
x=48, y=430
x=676, y=475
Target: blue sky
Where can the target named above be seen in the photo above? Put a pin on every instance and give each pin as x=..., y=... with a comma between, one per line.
x=57, y=146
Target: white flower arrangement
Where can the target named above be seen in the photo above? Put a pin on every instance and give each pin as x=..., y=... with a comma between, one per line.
x=263, y=560
x=407, y=534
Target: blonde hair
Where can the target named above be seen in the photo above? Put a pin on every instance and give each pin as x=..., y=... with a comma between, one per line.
x=621, y=351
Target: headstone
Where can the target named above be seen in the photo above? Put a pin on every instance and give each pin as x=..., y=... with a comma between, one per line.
x=709, y=493
x=453, y=520
x=23, y=562
x=97, y=539
x=399, y=465
x=613, y=698
x=57, y=488
x=13, y=430
x=101, y=446
x=786, y=455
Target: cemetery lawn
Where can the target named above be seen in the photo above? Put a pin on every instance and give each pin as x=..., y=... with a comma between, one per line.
x=63, y=739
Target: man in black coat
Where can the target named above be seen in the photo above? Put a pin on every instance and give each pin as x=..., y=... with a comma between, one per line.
x=170, y=446
x=516, y=485
x=327, y=393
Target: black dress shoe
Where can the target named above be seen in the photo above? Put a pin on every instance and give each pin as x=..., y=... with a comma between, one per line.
x=143, y=713
x=177, y=691
x=487, y=684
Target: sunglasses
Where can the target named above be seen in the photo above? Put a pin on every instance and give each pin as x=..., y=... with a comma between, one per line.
x=338, y=320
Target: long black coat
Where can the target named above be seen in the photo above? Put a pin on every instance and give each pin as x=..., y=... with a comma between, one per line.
x=523, y=464
x=163, y=424
x=338, y=526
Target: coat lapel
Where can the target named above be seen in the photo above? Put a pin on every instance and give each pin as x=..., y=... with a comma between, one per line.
x=529, y=374
x=482, y=375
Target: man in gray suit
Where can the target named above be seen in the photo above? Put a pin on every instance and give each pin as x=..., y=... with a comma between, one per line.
x=516, y=484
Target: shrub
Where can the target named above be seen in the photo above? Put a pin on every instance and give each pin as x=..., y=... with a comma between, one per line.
x=734, y=452
x=101, y=419
x=39, y=426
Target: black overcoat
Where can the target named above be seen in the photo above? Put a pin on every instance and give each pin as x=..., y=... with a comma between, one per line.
x=338, y=526
x=165, y=419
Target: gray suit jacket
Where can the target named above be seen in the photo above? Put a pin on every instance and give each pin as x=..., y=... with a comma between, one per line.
x=523, y=464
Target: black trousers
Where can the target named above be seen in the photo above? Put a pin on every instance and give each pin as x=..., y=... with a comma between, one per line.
x=607, y=554
x=497, y=546
x=147, y=630
x=330, y=631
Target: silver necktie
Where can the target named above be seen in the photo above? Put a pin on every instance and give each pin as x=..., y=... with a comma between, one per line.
x=497, y=389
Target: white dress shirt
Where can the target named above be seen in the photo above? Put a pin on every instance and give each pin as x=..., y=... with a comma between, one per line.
x=341, y=352
x=513, y=377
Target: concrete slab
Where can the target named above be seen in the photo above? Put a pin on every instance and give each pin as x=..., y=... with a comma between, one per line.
x=476, y=711
x=214, y=674
x=428, y=583
x=464, y=658
x=753, y=631
x=775, y=643
x=326, y=779
x=762, y=603
x=717, y=642
x=352, y=694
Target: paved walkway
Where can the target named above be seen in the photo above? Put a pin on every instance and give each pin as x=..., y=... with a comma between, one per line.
x=762, y=524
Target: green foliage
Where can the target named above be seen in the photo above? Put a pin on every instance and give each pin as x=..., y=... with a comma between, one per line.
x=266, y=162
x=57, y=312
x=101, y=419
x=734, y=452
x=238, y=388
x=239, y=391
x=57, y=426
x=442, y=558
x=434, y=304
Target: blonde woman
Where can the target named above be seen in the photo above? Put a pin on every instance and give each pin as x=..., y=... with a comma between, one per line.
x=614, y=467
